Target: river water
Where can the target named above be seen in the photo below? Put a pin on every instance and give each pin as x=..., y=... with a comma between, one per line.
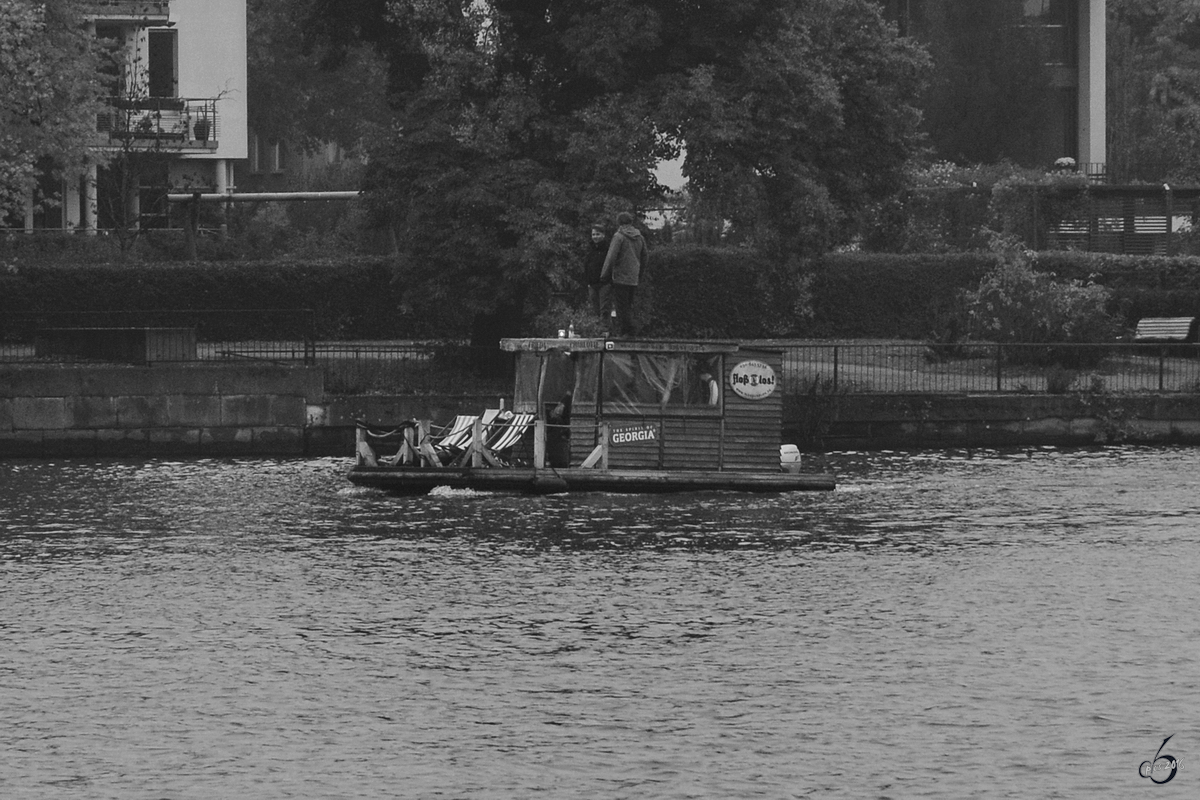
x=944, y=625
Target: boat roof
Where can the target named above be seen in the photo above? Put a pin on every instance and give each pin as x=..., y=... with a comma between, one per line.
x=587, y=344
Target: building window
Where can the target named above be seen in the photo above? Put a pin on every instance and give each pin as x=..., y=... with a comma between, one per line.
x=1053, y=21
x=163, y=60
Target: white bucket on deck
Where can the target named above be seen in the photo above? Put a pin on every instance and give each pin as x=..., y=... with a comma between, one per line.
x=789, y=458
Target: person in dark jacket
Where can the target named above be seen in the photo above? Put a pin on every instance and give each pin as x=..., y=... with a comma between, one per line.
x=599, y=292
x=627, y=258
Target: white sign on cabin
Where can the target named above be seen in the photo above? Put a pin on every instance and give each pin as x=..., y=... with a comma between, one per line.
x=752, y=380
x=629, y=434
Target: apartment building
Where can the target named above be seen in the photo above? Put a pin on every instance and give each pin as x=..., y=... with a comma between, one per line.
x=1071, y=35
x=177, y=120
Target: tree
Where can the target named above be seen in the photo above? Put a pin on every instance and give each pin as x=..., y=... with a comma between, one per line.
x=518, y=122
x=306, y=93
x=50, y=94
x=794, y=128
x=1154, y=90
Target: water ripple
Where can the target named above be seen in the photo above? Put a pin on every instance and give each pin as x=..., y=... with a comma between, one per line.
x=946, y=624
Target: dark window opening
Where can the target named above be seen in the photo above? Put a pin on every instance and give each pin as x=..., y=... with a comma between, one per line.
x=161, y=64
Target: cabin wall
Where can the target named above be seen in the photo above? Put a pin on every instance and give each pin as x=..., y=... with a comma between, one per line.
x=692, y=443
x=583, y=434
x=680, y=442
x=635, y=455
x=752, y=427
x=747, y=438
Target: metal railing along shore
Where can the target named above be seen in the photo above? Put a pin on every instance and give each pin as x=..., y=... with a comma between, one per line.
x=980, y=368
x=264, y=334
x=851, y=367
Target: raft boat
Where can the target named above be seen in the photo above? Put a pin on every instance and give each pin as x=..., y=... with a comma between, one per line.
x=605, y=415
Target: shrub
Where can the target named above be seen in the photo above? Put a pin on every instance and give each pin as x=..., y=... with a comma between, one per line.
x=1016, y=303
x=1059, y=380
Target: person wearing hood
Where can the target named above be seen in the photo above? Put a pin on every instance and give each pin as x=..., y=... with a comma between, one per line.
x=627, y=258
x=598, y=291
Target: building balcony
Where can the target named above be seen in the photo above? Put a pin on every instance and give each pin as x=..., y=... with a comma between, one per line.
x=177, y=124
x=152, y=12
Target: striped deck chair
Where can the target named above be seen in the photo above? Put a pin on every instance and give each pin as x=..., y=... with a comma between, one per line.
x=436, y=451
x=459, y=453
x=505, y=437
x=458, y=434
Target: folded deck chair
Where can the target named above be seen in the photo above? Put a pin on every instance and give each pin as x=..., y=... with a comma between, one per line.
x=505, y=436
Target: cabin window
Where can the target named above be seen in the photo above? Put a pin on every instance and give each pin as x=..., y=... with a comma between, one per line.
x=546, y=376
x=638, y=383
x=525, y=388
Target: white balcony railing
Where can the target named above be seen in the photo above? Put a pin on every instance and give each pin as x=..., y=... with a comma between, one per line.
x=135, y=11
x=178, y=123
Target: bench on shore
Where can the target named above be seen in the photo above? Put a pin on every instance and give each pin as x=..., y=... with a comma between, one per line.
x=1166, y=330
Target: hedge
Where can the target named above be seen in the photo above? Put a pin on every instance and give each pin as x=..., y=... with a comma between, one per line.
x=690, y=291
x=861, y=295
x=355, y=298
x=693, y=291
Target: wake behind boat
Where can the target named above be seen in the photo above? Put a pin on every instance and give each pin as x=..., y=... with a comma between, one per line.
x=605, y=415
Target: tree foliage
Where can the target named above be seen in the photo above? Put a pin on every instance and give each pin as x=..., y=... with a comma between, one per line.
x=305, y=93
x=1154, y=89
x=518, y=122
x=49, y=94
x=1017, y=303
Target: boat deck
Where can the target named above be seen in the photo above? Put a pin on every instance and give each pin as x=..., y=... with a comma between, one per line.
x=417, y=480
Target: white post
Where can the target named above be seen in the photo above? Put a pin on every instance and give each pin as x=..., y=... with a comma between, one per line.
x=539, y=444
x=90, y=207
x=221, y=179
x=477, y=444
x=1093, y=143
x=605, y=438
x=72, y=211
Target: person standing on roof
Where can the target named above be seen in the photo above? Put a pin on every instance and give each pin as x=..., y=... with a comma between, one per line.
x=598, y=291
x=627, y=258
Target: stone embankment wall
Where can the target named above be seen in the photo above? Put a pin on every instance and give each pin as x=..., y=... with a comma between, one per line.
x=237, y=410
x=865, y=422
x=194, y=409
